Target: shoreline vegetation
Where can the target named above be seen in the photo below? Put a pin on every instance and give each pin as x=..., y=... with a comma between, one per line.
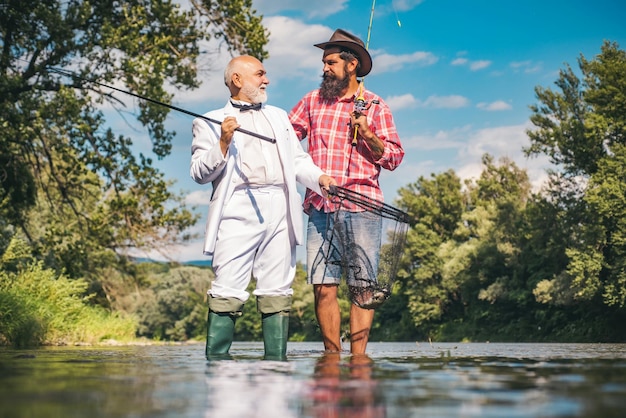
x=123, y=343
x=164, y=304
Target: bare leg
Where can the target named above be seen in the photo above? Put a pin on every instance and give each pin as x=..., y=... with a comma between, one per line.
x=360, y=325
x=328, y=315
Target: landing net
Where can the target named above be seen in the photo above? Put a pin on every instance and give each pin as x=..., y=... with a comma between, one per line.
x=369, y=258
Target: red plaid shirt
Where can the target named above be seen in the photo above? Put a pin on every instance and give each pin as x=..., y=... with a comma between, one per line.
x=326, y=124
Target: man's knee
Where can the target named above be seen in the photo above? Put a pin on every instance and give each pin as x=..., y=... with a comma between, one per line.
x=325, y=291
x=273, y=304
x=232, y=306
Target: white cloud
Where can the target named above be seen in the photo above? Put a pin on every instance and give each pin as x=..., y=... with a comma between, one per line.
x=468, y=146
x=405, y=5
x=199, y=197
x=473, y=65
x=384, y=62
x=291, y=50
x=527, y=67
x=212, y=91
x=479, y=65
x=499, y=141
x=292, y=54
x=503, y=141
x=310, y=9
x=406, y=173
x=188, y=251
x=401, y=102
x=520, y=64
x=452, y=139
x=445, y=102
x=404, y=101
x=494, y=106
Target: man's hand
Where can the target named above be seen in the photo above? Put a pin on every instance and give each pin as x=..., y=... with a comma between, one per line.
x=359, y=120
x=325, y=182
x=229, y=125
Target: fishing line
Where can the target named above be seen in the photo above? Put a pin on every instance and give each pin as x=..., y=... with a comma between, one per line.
x=73, y=75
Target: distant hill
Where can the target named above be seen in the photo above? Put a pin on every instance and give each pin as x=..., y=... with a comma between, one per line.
x=197, y=263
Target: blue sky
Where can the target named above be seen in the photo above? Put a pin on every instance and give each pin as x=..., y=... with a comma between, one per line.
x=459, y=76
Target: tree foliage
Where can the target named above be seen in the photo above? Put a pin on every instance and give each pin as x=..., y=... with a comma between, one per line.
x=582, y=127
x=77, y=191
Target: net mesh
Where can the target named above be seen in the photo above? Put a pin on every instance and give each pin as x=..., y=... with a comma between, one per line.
x=369, y=259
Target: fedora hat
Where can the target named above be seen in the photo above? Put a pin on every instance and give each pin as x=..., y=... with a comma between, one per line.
x=346, y=40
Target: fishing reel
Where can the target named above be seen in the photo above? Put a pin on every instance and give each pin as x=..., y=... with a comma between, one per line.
x=360, y=106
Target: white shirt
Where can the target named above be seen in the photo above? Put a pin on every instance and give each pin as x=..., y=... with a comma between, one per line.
x=260, y=162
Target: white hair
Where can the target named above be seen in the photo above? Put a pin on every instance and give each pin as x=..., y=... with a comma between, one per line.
x=228, y=73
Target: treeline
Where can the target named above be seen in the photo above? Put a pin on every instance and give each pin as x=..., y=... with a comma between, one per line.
x=492, y=260
x=489, y=259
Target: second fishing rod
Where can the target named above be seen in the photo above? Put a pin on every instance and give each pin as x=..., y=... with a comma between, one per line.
x=73, y=75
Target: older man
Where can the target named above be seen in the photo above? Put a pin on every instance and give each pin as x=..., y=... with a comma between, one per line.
x=255, y=214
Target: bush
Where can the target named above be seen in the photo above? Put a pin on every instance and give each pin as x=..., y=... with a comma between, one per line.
x=41, y=307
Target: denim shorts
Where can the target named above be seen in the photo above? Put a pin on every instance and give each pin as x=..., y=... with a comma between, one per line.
x=343, y=244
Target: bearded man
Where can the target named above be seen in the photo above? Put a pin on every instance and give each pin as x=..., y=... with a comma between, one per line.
x=351, y=145
x=254, y=218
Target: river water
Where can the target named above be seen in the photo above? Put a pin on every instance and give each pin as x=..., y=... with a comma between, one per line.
x=393, y=380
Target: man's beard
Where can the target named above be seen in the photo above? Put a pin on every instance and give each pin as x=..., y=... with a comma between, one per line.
x=333, y=87
x=255, y=94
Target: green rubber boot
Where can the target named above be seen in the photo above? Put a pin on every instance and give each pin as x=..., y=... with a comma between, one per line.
x=275, y=335
x=275, y=324
x=223, y=312
x=220, y=333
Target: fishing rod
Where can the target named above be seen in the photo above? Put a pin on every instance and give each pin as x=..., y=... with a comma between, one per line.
x=73, y=75
x=360, y=104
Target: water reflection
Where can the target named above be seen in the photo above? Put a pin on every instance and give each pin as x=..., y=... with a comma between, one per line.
x=243, y=388
x=394, y=380
x=343, y=390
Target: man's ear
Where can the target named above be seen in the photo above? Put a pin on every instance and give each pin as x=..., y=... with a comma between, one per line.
x=352, y=65
x=237, y=80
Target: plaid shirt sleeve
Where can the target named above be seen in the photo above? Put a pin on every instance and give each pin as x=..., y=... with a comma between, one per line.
x=326, y=125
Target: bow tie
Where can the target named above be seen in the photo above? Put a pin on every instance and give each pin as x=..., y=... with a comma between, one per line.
x=245, y=107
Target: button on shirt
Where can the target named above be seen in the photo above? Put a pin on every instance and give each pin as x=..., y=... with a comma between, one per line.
x=260, y=160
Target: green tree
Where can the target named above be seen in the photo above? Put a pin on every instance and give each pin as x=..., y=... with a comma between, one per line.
x=466, y=280
x=77, y=191
x=435, y=205
x=302, y=321
x=173, y=307
x=582, y=128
